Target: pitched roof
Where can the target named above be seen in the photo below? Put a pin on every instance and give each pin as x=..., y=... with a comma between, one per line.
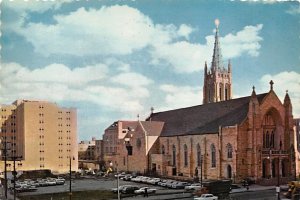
x=153, y=128
x=204, y=118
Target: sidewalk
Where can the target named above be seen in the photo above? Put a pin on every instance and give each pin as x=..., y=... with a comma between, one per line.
x=254, y=187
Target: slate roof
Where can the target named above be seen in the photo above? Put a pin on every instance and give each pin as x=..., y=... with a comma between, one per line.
x=206, y=118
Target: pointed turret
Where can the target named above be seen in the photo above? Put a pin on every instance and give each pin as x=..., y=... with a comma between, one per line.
x=229, y=66
x=287, y=100
x=217, y=62
x=205, y=69
x=253, y=92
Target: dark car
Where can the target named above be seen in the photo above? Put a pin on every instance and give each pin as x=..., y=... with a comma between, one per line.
x=129, y=189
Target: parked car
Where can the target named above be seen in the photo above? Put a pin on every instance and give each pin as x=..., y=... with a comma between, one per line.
x=129, y=189
x=206, y=197
x=169, y=183
x=180, y=185
x=137, y=179
x=142, y=190
x=60, y=181
x=26, y=188
x=154, y=181
x=194, y=186
x=161, y=182
x=121, y=187
x=127, y=177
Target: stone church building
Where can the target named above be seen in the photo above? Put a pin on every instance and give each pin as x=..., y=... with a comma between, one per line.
x=224, y=138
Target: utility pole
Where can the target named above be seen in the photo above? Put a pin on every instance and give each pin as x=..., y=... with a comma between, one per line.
x=14, y=158
x=201, y=161
x=278, y=176
x=5, y=166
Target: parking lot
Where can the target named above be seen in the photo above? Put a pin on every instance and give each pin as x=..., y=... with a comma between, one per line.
x=92, y=183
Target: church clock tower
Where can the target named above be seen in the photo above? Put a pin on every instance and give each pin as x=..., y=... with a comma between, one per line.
x=217, y=80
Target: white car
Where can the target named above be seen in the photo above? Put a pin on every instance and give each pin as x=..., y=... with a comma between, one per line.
x=206, y=197
x=142, y=190
x=194, y=186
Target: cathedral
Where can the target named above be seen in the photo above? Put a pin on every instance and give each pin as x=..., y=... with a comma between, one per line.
x=224, y=138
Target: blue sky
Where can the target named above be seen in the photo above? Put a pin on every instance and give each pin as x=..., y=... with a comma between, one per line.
x=116, y=59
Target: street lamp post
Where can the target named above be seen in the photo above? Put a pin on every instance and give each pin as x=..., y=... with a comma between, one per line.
x=118, y=184
x=70, y=171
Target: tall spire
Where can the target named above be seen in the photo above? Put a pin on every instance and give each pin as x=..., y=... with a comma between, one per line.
x=217, y=62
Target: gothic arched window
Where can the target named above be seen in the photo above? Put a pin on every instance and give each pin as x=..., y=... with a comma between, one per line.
x=174, y=155
x=198, y=155
x=221, y=91
x=229, y=150
x=163, y=149
x=213, y=155
x=185, y=152
x=267, y=140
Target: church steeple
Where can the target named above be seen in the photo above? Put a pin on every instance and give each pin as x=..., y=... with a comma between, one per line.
x=217, y=62
x=217, y=81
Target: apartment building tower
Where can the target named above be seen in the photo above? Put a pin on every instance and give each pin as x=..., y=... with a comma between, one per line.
x=42, y=134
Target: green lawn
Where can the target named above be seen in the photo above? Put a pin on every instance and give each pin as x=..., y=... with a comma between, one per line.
x=76, y=195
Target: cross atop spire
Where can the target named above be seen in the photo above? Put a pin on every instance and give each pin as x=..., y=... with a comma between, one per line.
x=271, y=84
x=217, y=62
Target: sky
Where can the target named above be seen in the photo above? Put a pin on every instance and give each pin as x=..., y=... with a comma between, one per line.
x=115, y=59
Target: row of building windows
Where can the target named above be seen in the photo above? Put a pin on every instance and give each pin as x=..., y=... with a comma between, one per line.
x=229, y=151
x=66, y=125
x=7, y=131
x=60, y=112
x=68, y=118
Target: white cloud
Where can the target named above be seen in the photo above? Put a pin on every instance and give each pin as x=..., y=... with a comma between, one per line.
x=181, y=96
x=284, y=81
x=188, y=57
x=57, y=82
x=131, y=79
x=185, y=30
x=34, y=5
x=123, y=30
x=54, y=73
x=109, y=30
x=245, y=41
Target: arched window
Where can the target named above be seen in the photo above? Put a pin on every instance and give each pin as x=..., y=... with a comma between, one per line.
x=198, y=155
x=220, y=91
x=163, y=149
x=264, y=140
x=174, y=155
x=185, y=151
x=272, y=139
x=267, y=140
x=213, y=155
x=229, y=150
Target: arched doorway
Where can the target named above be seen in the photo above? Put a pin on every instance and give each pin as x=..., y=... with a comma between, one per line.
x=272, y=135
x=229, y=172
x=264, y=169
